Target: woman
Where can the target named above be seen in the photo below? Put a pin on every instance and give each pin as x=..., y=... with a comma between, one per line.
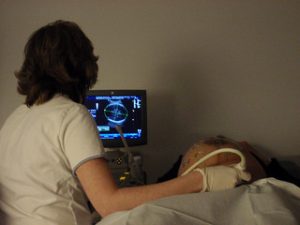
x=51, y=156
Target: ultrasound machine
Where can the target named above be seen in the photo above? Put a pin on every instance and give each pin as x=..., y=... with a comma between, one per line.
x=121, y=118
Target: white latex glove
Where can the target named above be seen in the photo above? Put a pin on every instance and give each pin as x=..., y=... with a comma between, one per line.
x=218, y=178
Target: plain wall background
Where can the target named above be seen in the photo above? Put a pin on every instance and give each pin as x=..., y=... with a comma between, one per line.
x=209, y=67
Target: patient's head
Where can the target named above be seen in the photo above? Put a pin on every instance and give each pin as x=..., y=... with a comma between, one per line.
x=207, y=145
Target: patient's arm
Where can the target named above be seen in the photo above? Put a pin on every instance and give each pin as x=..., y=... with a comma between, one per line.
x=107, y=198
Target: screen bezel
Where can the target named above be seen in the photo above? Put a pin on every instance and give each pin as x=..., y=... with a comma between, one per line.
x=117, y=143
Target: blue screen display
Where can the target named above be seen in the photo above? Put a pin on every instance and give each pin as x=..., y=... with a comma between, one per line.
x=126, y=110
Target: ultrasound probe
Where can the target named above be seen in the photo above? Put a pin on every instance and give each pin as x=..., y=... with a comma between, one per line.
x=240, y=166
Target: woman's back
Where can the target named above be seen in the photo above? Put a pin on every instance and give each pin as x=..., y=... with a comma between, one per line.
x=36, y=180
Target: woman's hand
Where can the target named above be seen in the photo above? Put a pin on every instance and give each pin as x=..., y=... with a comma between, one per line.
x=218, y=178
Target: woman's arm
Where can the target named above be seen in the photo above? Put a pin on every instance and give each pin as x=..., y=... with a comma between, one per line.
x=106, y=197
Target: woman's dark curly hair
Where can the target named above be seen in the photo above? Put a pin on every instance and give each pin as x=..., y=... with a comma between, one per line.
x=59, y=59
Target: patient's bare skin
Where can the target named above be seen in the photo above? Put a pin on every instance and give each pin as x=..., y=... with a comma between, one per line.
x=198, y=151
x=202, y=148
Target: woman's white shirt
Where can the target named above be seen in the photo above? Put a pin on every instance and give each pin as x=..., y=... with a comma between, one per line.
x=40, y=149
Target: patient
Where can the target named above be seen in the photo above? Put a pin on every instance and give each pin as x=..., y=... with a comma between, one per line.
x=208, y=145
x=258, y=164
x=266, y=201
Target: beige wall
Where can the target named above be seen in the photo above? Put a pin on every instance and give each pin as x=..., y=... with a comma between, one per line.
x=210, y=67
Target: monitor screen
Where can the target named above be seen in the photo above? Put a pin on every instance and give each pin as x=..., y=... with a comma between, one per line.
x=123, y=108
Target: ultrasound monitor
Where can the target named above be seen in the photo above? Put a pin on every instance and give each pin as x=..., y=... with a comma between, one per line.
x=122, y=108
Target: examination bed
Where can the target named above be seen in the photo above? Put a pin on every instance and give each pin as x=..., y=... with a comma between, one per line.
x=265, y=202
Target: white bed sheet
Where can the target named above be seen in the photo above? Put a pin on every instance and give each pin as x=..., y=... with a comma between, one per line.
x=266, y=201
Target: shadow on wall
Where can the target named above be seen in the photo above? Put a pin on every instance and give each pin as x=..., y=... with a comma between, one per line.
x=178, y=106
x=177, y=113
x=3, y=217
x=174, y=113
x=161, y=148
x=292, y=165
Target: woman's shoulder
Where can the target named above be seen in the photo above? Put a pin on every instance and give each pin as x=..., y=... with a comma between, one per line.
x=67, y=108
x=62, y=103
